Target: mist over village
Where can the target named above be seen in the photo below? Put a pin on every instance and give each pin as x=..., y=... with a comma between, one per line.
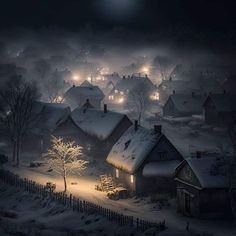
x=117, y=118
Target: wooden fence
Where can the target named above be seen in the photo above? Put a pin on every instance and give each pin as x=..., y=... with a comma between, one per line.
x=77, y=204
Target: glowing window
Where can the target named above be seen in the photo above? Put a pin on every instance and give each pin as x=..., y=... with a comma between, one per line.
x=131, y=179
x=117, y=173
x=116, y=91
x=121, y=93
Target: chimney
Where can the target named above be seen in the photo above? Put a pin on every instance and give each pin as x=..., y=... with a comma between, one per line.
x=136, y=125
x=87, y=100
x=105, y=108
x=224, y=91
x=157, y=129
x=198, y=154
x=146, y=75
x=73, y=85
x=123, y=76
x=173, y=91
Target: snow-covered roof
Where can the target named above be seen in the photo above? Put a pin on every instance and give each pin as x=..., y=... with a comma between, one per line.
x=130, y=83
x=47, y=116
x=223, y=102
x=210, y=171
x=86, y=83
x=75, y=92
x=160, y=168
x=132, y=148
x=95, y=122
x=188, y=102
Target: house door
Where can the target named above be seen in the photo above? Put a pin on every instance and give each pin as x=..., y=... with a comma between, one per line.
x=187, y=203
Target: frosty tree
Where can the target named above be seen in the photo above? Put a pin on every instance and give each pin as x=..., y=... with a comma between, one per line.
x=63, y=158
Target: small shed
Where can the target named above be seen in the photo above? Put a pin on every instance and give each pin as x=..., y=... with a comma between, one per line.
x=144, y=160
x=203, y=187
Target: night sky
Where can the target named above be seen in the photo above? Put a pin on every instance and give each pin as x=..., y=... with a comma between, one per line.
x=207, y=22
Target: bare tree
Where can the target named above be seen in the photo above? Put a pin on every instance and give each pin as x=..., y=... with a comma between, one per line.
x=138, y=101
x=62, y=157
x=18, y=98
x=164, y=65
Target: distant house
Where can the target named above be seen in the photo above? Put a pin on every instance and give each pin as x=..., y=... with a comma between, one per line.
x=183, y=105
x=45, y=118
x=127, y=85
x=78, y=95
x=144, y=160
x=203, y=187
x=168, y=87
x=220, y=109
x=95, y=130
x=109, y=81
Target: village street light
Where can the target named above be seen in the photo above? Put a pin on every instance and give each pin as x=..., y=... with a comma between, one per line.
x=75, y=77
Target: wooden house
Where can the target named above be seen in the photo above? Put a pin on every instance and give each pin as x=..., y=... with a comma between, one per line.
x=144, y=160
x=122, y=90
x=93, y=129
x=179, y=105
x=220, y=109
x=76, y=96
x=45, y=118
x=203, y=187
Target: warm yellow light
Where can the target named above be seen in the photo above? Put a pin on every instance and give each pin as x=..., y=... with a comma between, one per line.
x=155, y=96
x=111, y=97
x=131, y=179
x=89, y=78
x=75, y=77
x=117, y=173
x=121, y=100
x=145, y=69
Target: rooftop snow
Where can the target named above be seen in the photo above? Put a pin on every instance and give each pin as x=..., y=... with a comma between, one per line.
x=85, y=91
x=211, y=172
x=96, y=122
x=132, y=148
x=188, y=102
x=47, y=116
x=160, y=168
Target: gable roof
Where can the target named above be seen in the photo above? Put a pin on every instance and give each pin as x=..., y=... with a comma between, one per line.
x=132, y=148
x=223, y=102
x=95, y=122
x=187, y=102
x=47, y=116
x=75, y=92
x=178, y=85
x=131, y=82
x=86, y=83
x=210, y=171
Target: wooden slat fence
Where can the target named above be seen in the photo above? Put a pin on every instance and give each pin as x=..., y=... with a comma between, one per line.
x=77, y=204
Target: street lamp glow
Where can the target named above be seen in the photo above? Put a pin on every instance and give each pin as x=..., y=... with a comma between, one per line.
x=75, y=77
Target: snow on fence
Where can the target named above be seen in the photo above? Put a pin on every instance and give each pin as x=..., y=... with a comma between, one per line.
x=77, y=204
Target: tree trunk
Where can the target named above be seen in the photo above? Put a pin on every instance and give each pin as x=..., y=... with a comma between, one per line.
x=18, y=152
x=14, y=151
x=65, y=184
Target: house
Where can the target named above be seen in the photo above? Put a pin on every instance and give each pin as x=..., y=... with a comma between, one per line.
x=220, y=109
x=179, y=105
x=203, y=187
x=168, y=87
x=77, y=95
x=93, y=129
x=45, y=118
x=144, y=160
x=127, y=85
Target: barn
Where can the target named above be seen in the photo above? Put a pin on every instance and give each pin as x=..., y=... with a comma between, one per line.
x=76, y=96
x=203, y=187
x=144, y=160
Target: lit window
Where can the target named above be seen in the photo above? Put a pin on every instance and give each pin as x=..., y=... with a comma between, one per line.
x=117, y=173
x=111, y=97
x=116, y=91
x=131, y=179
x=121, y=93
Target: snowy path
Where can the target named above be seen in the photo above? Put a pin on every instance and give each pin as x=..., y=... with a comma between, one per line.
x=136, y=207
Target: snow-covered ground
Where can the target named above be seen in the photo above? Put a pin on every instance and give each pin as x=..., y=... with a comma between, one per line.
x=30, y=215
x=138, y=207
